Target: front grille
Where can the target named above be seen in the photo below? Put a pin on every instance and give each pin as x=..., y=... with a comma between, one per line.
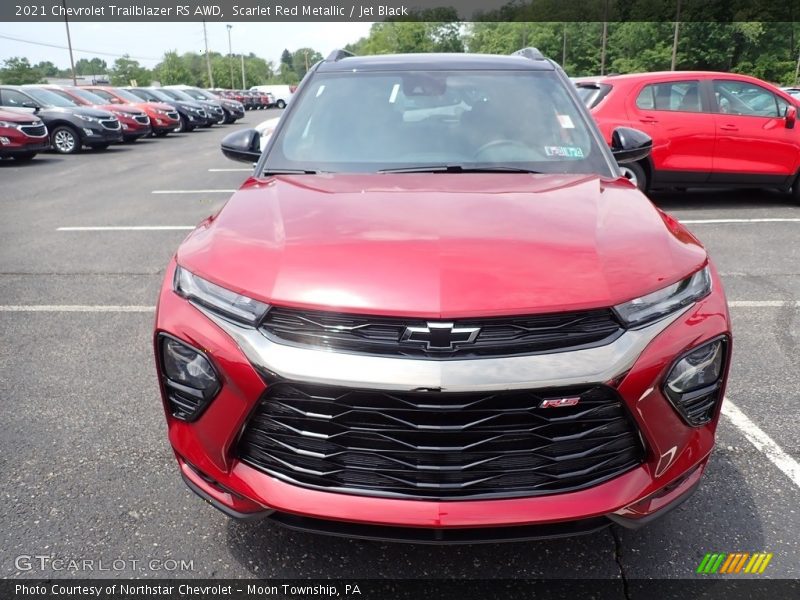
x=217, y=110
x=173, y=115
x=500, y=336
x=440, y=445
x=201, y=113
x=110, y=124
x=143, y=119
x=34, y=130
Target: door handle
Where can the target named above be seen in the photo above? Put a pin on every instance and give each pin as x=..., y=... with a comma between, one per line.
x=649, y=120
x=729, y=128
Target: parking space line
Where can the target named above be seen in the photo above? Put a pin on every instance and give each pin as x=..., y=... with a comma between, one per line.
x=715, y=221
x=76, y=308
x=130, y=228
x=193, y=191
x=763, y=443
x=763, y=303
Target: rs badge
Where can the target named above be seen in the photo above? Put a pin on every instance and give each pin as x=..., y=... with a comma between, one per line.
x=559, y=402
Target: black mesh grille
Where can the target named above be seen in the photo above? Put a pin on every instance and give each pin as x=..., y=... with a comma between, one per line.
x=34, y=130
x=440, y=445
x=500, y=336
x=143, y=119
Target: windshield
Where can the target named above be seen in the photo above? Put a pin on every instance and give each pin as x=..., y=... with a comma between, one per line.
x=439, y=120
x=175, y=94
x=157, y=95
x=48, y=98
x=87, y=95
x=197, y=94
x=125, y=95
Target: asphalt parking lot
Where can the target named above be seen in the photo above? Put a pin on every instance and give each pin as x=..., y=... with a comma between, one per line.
x=85, y=467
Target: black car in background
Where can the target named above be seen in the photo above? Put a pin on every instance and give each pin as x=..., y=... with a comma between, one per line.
x=192, y=113
x=212, y=107
x=233, y=110
x=71, y=126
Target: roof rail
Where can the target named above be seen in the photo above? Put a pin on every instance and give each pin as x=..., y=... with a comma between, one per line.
x=338, y=54
x=529, y=53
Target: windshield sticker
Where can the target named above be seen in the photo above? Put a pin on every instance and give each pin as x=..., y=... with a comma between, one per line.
x=393, y=96
x=565, y=122
x=564, y=151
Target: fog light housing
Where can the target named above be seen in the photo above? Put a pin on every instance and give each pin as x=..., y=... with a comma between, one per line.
x=693, y=384
x=189, y=377
x=4, y=141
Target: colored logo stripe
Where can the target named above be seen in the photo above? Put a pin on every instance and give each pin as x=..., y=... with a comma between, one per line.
x=720, y=562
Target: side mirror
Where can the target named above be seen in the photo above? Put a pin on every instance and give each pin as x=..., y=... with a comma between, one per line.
x=790, y=117
x=32, y=105
x=243, y=145
x=630, y=145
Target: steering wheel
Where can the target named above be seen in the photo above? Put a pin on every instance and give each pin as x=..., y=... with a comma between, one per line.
x=501, y=143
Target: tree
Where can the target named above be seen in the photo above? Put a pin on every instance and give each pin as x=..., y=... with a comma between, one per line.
x=18, y=71
x=302, y=60
x=127, y=70
x=173, y=70
x=94, y=66
x=48, y=69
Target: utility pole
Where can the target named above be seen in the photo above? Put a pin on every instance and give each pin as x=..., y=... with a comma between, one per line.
x=244, y=85
x=69, y=44
x=564, y=47
x=306, y=53
x=605, y=39
x=230, y=55
x=208, y=57
x=675, y=37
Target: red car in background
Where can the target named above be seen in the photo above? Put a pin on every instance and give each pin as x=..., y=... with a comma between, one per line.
x=22, y=135
x=135, y=122
x=708, y=128
x=163, y=117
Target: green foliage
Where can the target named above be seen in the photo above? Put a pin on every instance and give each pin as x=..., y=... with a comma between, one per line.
x=94, y=66
x=18, y=71
x=172, y=69
x=302, y=60
x=126, y=70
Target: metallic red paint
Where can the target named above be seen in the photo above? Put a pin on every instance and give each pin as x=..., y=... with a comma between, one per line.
x=488, y=245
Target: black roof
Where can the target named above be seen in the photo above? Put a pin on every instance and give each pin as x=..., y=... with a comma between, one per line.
x=435, y=62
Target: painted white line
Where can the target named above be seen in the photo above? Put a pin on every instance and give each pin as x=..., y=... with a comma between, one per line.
x=763, y=303
x=236, y=170
x=193, y=191
x=75, y=308
x=763, y=443
x=714, y=221
x=132, y=228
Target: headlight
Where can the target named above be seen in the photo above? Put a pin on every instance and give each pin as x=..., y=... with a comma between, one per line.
x=220, y=300
x=657, y=305
x=87, y=118
x=120, y=113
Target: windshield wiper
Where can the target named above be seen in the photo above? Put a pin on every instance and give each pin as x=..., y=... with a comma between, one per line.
x=458, y=169
x=288, y=172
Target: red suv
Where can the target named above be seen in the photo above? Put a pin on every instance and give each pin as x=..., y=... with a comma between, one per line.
x=708, y=129
x=163, y=117
x=22, y=135
x=426, y=319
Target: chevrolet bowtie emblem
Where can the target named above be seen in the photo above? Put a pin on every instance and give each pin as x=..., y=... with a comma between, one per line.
x=441, y=336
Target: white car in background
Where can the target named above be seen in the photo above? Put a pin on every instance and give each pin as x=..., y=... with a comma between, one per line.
x=265, y=130
x=281, y=94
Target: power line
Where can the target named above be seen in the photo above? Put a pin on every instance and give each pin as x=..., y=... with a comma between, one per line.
x=94, y=52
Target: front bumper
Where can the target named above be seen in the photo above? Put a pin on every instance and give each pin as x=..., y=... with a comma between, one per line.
x=23, y=145
x=676, y=453
x=92, y=134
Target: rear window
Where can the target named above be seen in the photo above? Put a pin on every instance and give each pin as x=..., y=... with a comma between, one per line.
x=592, y=93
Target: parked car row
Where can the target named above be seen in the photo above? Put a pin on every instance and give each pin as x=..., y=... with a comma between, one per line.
x=65, y=119
x=708, y=128
x=251, y=100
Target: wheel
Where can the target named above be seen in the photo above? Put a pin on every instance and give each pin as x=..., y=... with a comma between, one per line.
x=183, y=126
x=229, y=120
x=636, y=173
x=99, y=146
x=795, y=191
x=65, y=140
x=129, y=139
x=161, y=133
x=280, y=104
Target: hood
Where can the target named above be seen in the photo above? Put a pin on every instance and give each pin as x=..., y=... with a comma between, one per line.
x=91, y=112
x=188, y=104
x=120, y=108
x=441, y=245
x=25, y=115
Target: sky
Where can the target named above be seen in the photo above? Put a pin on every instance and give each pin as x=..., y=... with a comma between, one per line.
x=147, y=42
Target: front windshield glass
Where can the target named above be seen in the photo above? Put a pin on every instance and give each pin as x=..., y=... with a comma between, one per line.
x=127, y=96
x=88, y=96
x=48, y=98
x=175, y=95
x=157, y=94
x=409, y=120
x=197, y=94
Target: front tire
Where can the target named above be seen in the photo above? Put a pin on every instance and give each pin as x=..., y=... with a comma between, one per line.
x=184, y=126
x=280, y=104
x=636, y=174
x=65, y=140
